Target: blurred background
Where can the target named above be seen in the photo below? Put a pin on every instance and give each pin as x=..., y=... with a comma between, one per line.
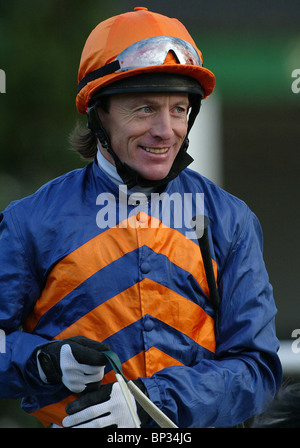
x=248, y=136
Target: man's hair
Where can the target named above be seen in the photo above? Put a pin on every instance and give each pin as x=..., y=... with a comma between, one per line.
x=82, y=139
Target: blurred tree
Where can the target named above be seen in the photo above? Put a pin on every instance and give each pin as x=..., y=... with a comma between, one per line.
x=40, y=48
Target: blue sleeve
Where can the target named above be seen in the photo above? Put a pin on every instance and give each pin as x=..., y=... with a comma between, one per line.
x=19, y=290
x=245, y=372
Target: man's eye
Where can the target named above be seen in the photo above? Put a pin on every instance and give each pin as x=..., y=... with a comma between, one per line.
x=146, y=109
x=179, y=110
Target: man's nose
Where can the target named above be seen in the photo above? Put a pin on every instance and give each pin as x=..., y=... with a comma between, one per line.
x=162, y=126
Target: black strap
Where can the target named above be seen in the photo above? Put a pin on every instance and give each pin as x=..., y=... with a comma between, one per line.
x=99, y=73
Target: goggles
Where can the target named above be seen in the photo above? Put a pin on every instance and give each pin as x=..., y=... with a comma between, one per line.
x=146, y=53
x=153, y=51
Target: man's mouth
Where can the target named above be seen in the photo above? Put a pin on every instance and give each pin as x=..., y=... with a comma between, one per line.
x=155, y=150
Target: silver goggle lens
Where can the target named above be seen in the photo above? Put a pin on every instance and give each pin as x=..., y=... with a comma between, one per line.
x=154, y=50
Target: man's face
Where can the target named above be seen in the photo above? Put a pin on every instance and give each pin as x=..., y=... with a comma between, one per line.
x=146, y=130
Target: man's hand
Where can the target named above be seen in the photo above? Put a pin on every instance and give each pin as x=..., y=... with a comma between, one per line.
x=103, y=408
x=75, y=362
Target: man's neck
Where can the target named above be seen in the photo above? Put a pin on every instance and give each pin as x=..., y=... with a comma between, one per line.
x=110, y=170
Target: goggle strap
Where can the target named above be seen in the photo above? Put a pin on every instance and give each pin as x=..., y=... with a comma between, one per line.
x=107, y=69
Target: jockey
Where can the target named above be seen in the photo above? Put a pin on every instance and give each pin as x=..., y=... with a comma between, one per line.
x=105, y=257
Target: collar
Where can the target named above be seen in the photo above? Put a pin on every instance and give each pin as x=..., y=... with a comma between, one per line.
x=110, y=170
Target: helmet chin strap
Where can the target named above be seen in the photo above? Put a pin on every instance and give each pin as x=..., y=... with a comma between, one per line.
x=129, y=176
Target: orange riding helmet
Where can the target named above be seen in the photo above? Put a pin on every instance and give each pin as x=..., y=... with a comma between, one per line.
x=138, y=42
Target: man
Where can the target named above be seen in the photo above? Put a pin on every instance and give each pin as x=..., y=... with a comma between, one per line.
x=106, y=256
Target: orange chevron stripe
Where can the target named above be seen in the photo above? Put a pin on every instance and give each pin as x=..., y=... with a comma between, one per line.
x=108, y=318
x=158, y=360
x=112, y=244
x=178, y=312
x=146, y=297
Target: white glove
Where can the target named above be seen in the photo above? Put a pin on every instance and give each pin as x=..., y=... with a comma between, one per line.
x=100, y=409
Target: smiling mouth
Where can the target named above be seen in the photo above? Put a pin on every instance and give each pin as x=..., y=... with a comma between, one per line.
x=155, y=150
